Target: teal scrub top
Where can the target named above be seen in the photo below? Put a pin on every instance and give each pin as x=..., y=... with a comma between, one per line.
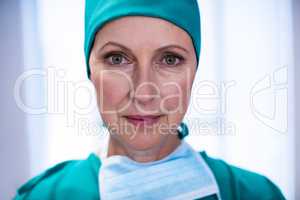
x=78, y=179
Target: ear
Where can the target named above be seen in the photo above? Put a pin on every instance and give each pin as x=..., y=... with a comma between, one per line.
x=92, y=66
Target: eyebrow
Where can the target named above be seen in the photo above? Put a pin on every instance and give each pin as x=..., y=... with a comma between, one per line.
x=157, y=50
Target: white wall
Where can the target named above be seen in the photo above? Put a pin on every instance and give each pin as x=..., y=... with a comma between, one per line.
x=14, y=150
x=296, y=111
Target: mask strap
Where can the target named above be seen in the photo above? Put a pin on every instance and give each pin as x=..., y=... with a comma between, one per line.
x=183, y=130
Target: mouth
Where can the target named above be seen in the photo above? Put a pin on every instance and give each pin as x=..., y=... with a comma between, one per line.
x=138, y=120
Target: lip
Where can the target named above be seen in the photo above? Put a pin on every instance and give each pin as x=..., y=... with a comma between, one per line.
x=142, y=119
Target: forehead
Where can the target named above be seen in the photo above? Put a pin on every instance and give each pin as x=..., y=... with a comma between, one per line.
x=141, y=30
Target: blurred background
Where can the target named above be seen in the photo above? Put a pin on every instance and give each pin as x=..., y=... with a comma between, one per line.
x=245, y=103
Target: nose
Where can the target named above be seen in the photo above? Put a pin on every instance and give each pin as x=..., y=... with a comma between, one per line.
x=145, y=87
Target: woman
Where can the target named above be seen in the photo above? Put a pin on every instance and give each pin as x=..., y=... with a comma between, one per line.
x=142, y=56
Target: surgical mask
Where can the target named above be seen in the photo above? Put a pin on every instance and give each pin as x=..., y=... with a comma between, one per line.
x=182, y=175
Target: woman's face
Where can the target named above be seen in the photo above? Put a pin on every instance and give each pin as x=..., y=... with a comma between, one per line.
x=143, y=69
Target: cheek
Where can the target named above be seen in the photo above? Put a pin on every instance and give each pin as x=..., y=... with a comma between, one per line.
x=176, y=96
x=112, y=89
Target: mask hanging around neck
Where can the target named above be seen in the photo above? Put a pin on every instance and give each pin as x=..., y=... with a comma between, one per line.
x=183, y=174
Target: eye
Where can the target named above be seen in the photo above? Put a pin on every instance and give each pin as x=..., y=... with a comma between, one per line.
x=172, y=60
x=115, y=58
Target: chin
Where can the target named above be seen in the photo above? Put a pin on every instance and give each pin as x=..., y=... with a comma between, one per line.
x=143, y=141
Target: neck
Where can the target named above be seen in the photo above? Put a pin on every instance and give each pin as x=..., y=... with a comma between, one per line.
x=166, y=146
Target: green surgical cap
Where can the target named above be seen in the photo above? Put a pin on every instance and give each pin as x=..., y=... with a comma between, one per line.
x=183, y=13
